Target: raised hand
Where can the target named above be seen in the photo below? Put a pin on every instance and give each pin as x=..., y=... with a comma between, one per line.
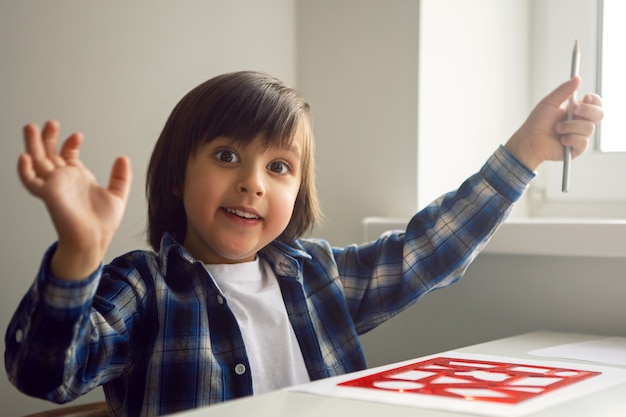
x=84, y=214
x=545, y=132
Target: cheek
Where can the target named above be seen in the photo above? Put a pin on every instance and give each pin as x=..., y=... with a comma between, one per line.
x=199, y=196
x=285, y=203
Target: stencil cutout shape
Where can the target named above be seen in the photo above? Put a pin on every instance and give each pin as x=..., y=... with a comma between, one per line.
x=472, y=380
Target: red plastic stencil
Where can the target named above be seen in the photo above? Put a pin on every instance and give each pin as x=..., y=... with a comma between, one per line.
x=472, y=380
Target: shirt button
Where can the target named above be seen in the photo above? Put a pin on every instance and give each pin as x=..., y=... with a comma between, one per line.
x=220, y=299
x=240, y=369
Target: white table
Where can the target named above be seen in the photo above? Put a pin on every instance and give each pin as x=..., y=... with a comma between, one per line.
x=610, y=402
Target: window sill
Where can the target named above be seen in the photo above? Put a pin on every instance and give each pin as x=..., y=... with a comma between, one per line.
x=605, y=238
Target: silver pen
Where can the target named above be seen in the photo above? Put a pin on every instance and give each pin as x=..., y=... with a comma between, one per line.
x=567, y=150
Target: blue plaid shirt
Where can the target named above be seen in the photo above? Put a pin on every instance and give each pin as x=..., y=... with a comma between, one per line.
x=155, y=331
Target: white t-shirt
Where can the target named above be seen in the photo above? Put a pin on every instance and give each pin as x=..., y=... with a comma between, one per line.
x=253, y=295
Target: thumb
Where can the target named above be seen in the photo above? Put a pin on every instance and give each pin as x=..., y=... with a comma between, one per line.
x=563, y=92
x=121, y=176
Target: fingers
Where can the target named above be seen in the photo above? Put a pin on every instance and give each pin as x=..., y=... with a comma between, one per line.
x=563, y=92
x=27, y=174
x=121, y=176
x=576, y=133
x=49, y=138
x=588, y=113
x=578, y=143
x=35, y=147
x=41, y=157
x=592, y=98
x=589, y=108
x=34, y=162
x=71, y=147
x=580, y=127
x=42, y=146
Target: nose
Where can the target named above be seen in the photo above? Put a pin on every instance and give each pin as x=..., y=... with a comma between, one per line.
x=251, y=181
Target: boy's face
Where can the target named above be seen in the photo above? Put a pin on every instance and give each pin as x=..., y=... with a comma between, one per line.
x=239, y=198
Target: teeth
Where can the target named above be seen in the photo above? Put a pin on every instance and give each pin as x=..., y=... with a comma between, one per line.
x=242, y=214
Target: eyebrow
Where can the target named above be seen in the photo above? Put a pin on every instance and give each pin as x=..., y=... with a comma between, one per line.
x=295, y=149
x=291, y=148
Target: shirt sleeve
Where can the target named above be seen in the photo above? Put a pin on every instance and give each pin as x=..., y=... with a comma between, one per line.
x=64, y=339
x=382, y=278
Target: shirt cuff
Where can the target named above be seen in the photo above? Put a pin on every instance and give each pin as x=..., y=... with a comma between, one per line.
x=66, y=295
x=507, y=175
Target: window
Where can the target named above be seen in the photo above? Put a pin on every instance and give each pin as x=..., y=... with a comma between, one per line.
x=487, y=85
x=598, y=178
x=612, y=67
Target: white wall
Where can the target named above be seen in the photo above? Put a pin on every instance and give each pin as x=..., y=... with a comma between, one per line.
x=473, y=86
x=505, y=295
x=357, y=66
x=114, y=70
x=380, y=75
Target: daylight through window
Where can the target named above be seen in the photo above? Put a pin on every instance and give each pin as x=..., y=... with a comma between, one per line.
x=612, y=83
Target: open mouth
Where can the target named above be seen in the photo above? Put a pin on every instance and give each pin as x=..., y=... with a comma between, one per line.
x=242, y=214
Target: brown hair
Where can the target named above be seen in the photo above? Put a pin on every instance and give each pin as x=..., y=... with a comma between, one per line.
x=241, y=106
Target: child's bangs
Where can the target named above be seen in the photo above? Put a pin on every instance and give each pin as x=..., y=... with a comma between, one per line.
x=275, y=133
x=258, y=107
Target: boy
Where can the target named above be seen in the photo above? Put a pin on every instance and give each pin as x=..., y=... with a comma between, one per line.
x=233, y=301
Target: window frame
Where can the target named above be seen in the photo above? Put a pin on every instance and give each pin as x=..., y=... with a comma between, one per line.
x=595, y=189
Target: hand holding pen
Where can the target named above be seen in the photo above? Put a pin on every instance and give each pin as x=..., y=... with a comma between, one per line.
x=547, y=130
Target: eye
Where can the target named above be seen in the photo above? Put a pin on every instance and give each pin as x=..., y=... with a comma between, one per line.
x=279, y=167
x=227, y=156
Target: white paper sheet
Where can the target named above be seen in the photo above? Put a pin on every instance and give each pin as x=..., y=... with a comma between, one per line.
x=608, y=378
x=609, y=350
